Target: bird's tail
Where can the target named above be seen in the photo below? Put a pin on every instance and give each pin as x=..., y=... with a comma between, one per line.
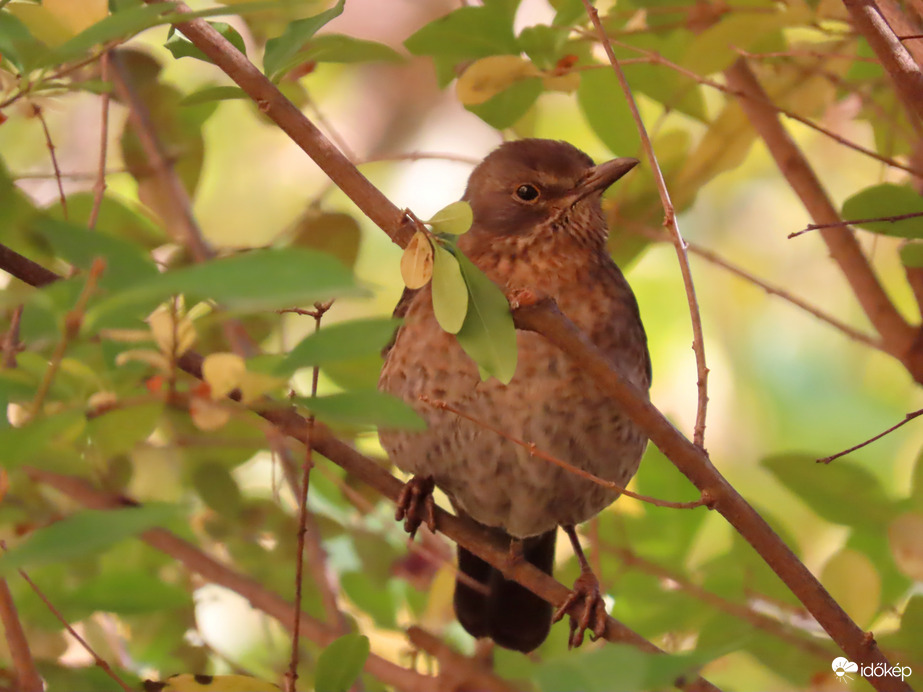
x=508, y=613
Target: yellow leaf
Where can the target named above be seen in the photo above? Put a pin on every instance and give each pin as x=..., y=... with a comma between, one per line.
x=487, y=77
x=253, y=385
x=41, y=23
x=173, y=332
x=906, y=537
x=144, y=355
x=223, y=372
x=853, y=581
x=208, y=415
x=77, y=15
x=567, y=82
x=438, y=612
x=417, y=261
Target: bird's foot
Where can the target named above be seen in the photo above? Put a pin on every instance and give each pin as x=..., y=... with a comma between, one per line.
x=415, y=504
x=593, y=616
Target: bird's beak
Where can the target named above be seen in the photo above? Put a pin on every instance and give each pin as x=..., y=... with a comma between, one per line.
x=600, y=177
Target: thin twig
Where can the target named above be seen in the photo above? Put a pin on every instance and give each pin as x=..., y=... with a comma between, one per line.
x=99, y=188
x=730, y=90
x=27, y=678
x=97, y=659
x=698, y=342
x=536, y=452
x=72, y=322
x=11, y=345
x=38, y=113
x=853, y=222
x=909, y=417
x=292, y=675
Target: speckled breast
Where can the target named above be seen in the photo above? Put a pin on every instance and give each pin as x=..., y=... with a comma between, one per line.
x=550, y=403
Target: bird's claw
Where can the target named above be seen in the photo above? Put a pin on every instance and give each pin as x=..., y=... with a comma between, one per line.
x=415, y=504
x=593, y=615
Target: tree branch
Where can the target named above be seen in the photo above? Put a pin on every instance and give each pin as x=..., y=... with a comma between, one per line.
x=897, y=336
x=543, y=317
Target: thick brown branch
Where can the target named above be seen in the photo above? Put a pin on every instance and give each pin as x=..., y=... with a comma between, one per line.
x=544, y=318
x=896, y=334
x=894, y=57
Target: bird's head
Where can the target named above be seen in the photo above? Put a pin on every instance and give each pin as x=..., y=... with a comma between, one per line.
x=530, y=185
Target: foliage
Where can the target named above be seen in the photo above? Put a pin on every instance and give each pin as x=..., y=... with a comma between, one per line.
x=96, y=392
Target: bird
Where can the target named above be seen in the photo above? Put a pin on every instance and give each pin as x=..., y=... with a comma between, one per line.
x=538, y=225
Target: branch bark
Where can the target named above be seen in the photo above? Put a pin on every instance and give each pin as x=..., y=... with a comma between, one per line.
x=896, y=334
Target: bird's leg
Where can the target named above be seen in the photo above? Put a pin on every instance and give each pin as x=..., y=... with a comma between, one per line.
x=586, y=589
x=415, y=504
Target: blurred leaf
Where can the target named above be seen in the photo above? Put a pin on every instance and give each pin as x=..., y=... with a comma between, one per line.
x=506, y=108
x=455, y=219
x=363, y=408
x=823, y=486
x=129, y=591
x=283, y=48
x=182, y=47
x=214, y=93
x=465, y=34
x=122, y=24
x=725, y=145
x=117, y=218
x=450, y=293
x=716, y=48
x=187, y=682
x=118, y=430
x=615, y=668
x=886, y=200
x=853, y=582
x=340, y=341
x=905, y=535
x=339, y=48
x=341, y=663
x=77, y=16
x=372, y=597
x=84, y=533
x=542, y=44
x=417, y=261
x=487, y=334
x=18, y=45
x=335, y=233
x=485, y=78
x=911, y=254
x=21, y=445
x=239, y=282
x=606, y=110
x=217, y=488
x=126, y=263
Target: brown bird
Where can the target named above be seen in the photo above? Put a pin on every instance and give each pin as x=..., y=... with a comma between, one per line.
x=539, y=225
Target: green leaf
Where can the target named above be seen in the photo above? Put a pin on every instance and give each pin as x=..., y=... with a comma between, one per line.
x=182, y=47
x=17, y=44
x=465, y=34
x=506, y=108
x=616, y=668
x=84, y=533
x=283, y=48
x=454, y=219
x=122, y=24
x=487, y=334
x=249, y=281
x=606, y=110
x=214, y=93
x=339, y=48
x=340, y=664
x=117, y=218
x=335, y=233
x=126, y=263
x=363, y=408
x=341, y=341
x=912, y=254
x=542, y=44
x=217, y=488
x=129, y=591
x=21, y=445
x=823, y=486
x=886, y=200
x=450, y=293
x=119, y=430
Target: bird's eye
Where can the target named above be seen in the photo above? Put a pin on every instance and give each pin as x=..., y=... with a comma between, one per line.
x=527, y=193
